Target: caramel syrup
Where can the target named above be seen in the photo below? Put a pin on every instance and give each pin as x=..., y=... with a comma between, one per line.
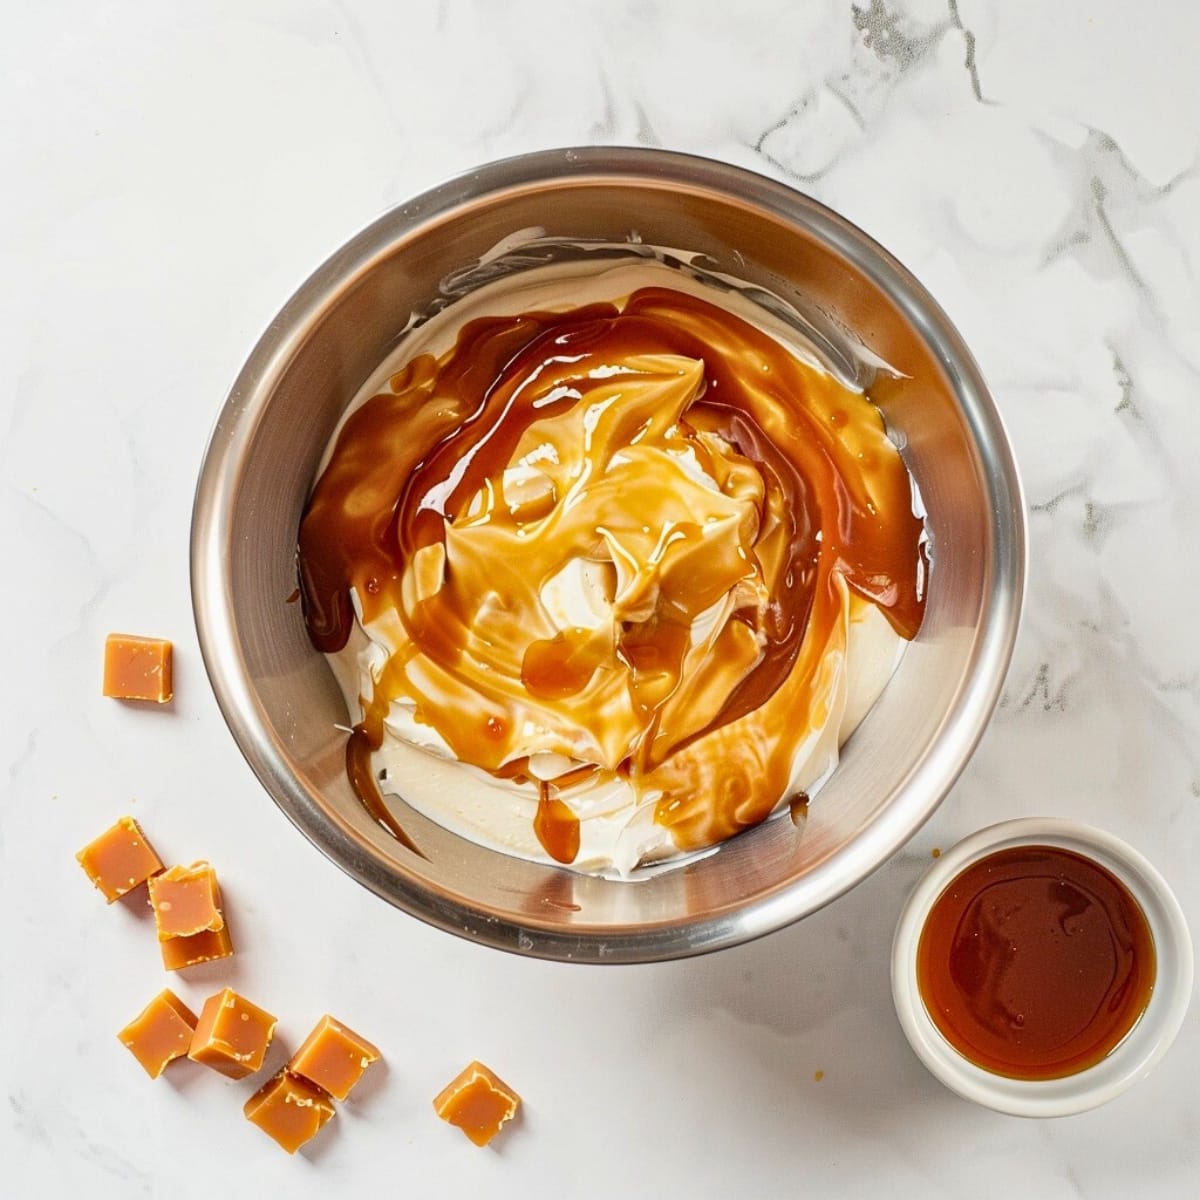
x=556, y=826
x=1035, y=962
x=414, y=513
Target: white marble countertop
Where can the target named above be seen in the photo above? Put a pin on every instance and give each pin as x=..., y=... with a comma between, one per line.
x=170, y=172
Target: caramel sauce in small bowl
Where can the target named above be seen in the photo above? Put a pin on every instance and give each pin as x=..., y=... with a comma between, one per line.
x=1041, y=967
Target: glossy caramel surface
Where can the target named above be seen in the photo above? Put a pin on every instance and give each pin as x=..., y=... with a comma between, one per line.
x=120, y=859
x=478, y=1101
x=1035, y=962
x=160, y=1033
x=333, y=1057
x=624, y=535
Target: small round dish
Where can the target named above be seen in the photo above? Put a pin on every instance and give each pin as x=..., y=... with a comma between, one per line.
x=1132, y=1058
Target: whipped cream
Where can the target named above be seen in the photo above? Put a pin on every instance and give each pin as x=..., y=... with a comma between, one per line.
x=566, y=667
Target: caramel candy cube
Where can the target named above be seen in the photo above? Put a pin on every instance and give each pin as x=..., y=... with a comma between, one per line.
x=119, y=859
x=137, y=668
x=333, y=1057
x=161, y=1034
x=289, y=1109
x=182, y=952
x=232, y=1035
x=186, y=901
x=178, y=953
x=478, y=1102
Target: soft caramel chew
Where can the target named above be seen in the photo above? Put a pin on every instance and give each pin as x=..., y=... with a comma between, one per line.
x=186, y=901
x=137, y=668
x=182, y=952
x=478, y=1102
x=232, y=1034
x=161, y=1033
x=119, y=859
x=333, y=1057
x=289, y=1109
x=179, y=953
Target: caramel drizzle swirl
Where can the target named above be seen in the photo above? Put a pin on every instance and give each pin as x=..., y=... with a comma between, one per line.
x=713, y=498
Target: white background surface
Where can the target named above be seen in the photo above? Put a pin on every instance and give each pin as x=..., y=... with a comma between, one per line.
x=169, y=173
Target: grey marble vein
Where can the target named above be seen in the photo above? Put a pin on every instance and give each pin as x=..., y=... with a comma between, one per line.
x=969, y=50
x=887, y=33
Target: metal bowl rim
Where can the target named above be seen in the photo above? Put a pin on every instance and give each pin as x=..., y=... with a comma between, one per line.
x=914, y=799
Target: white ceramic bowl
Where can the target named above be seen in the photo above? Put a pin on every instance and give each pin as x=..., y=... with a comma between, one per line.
x=1140, y=1050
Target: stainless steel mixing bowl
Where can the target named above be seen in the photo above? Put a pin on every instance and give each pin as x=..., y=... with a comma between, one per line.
x=279, y=697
